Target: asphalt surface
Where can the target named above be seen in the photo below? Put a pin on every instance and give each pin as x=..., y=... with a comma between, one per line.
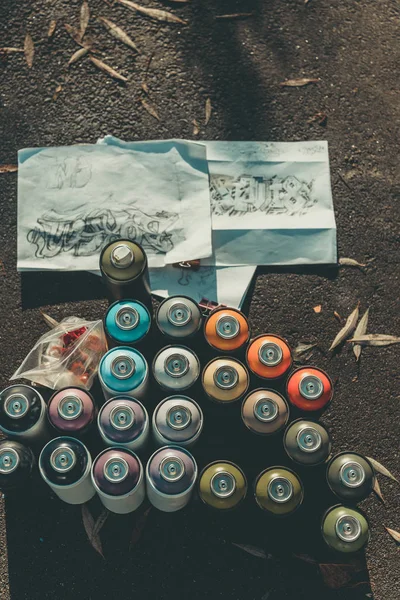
x=352, y=47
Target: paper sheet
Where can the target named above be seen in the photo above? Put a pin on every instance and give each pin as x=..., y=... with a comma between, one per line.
x=73, y=200
x=271, y=203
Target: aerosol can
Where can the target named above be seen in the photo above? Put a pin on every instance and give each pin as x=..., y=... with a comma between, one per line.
x=127, y=323
x=179, y=319
x=269, y=356
x=309, y=389
x=123, y=421
x=345, y=529
x=227, y=330
x=225, y=380
x=265, y=412
x=23, y=414
x=278, y=491
x=72, y=411
x=177, y=420
x=176, y=368
x=307, y=443
x=222, y=485
x=16, y=465
x=124, y=370
x=350, y=476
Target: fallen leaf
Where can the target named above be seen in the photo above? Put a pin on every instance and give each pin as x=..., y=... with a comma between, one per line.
x=48, y=320
x=355, y=378
x=102, y=518
x=253, y=550
x=75, y=35
x=320, y=117
x=57, y=91
x=52, y=28
x=196, y=128
x=377, y=489
x=77, y=55
x=150, y=109
x=145, y=88
x=361, y=329
x=395, y=534
x=235, y=16
x=89, y=525
x=84, y=21
x=29, y=49
x=375, y=339
x=302, y=349
x=208, y=111
x=348, y=328
x=298, y=82
x=139, y=527
x=337, y=316
x=153, y=13
x=8, y=168
x=10, y=50
x=336, y=576
x=350, y=262
x=381, y=469
x=317, y=309
x=119, y=33
x=107, y=69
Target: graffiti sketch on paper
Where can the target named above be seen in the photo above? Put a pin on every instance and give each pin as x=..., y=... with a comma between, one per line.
x=72, y=172
x=245, y=194
x=84, y=234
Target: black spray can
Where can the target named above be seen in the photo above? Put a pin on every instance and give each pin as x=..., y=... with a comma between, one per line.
x=124, y=270
x=16, y=465
x=23, y=414
x=350, y=476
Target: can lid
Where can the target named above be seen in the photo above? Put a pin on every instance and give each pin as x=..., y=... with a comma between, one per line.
x=123, y=369
x=266, y=410
x=122, y=256
x=270, y=354
x=179, y=314
x=226, y=377
x=16, y=406
x=223, y=484
x=178, y=419
x=70, y=407
x=311, y=387
x=176, y=368
x=227, y=327
x=171, y=470
x=348, y=528
x=122, y=260
x=9, y=460
x=116, y=471
x=352, y=474
x=280, y=489
x=308, y=439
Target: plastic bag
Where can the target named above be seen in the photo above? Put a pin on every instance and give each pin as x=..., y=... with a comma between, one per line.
x=68, y=355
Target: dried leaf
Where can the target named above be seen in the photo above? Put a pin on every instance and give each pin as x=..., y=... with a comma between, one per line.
x=361, y=329
x=56, y=92
x=145, y=88
x=109, y=70
x=376, y=339
x=84, y=21
x=8, y=168
x=139, y=527
x=52, y=28
x=320, y=117
x=89, y=525
x=302, y=349
x=153, y=13
x=29, y=50
x=317, y=309
x=76, y=35
x=253, y=550
x=196, y=128
x=150, y=109
x=395, y=534
x=77, y=55
x=208, y=111
x=102, y=518
x=336, y=576
x=235, y=16
x=298, y=82
x=337, y=316
x=347, y=330
x=377, y=489
x=119, y=33
x=378, y=468
x=10, y=50
x=350, y=262
x=48, y=320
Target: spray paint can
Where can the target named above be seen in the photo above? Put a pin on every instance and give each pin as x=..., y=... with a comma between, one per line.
x=71, y=411
x=350, y=476
x=307, y=443
x=345, y=529
x=65, y=465
x=278, y=491
x=176, y=368
x=227, y=330
x=177, y=420
x=127, y=323
x=309, y=388
x=23, y=414
x=222, y=485
x=117, y=476
x=124, y=270
x=124, y=370
x=269, y=356
x=225, y=380
x=171, y=474
x=123, y=421
x=16, y=465
x=179, y=318
x=265, y=412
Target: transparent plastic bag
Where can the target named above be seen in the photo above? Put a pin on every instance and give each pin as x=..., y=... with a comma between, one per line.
x=68, y=355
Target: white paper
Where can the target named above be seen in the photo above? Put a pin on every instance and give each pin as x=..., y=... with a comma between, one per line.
x=73, y=200
x=271, y=203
